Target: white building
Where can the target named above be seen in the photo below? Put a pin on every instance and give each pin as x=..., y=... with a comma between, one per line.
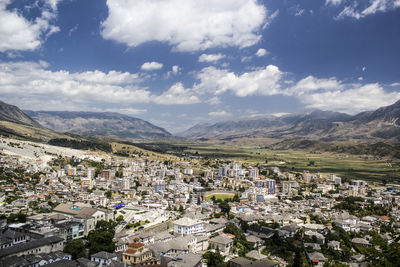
x=188, y=171
x=187, y=226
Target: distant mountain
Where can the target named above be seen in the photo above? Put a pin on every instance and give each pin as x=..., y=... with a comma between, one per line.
x=98, y=124
x=16, y=123
x=380, y=125
x=15, y=115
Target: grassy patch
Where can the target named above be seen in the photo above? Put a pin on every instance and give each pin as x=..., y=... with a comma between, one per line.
x=220, y=196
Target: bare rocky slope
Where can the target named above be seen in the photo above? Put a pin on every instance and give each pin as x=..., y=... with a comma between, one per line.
x=98, y=124
x=381, y=125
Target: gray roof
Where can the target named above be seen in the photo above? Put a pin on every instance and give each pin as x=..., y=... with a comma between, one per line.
x=185, y=260
x=221, y=239
x=316, y=256
x=104, y=255
x=62, y=263
x=254, y=254
x=30, y=245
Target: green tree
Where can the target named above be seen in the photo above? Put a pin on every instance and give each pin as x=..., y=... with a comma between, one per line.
x=214, y=259
x=76, y=248
x=108, y=194
x=101, y=238
x=225, y=208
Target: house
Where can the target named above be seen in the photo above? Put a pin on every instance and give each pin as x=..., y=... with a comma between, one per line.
x=334, y=244
x=85, y=214
x=138, y=254
x=43, y=245
x=316, y=259
x=254, y=239
x=222, y=243
x=255, y=255
x=243, y=262
x=361, y=241
x=182, y=260
x=188, y=226
x=104, y=258
x=11, y=238
x=36, y=259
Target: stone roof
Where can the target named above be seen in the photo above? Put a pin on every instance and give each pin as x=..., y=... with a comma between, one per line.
x=29, y=245
x=221, y=239
x=256, y=255
x=185, y=260
x=186, y=221
x=104, y=255
x=316, y=256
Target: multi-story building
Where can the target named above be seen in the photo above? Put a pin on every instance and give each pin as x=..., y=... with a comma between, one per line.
x=187, y=226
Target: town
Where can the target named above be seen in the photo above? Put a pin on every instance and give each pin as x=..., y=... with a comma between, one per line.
x=137, y=210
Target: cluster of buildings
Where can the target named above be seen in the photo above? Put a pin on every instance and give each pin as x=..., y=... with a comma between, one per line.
x=164, y=217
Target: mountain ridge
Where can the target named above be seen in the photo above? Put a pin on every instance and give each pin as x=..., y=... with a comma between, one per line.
x=382, y=124
x=88, y=123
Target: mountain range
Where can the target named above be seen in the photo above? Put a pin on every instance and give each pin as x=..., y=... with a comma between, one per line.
x=382, y=124
x=108, y=124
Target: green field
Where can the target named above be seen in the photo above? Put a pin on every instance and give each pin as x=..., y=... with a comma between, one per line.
x=220, y=196
x=345, y=165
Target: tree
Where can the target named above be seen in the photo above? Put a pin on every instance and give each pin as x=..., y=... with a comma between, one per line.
x=181, y=209
x=119, y=219
x=214, y=259
x=101, y=239
x=108, y=194
x=76, y=248
x=225, y=208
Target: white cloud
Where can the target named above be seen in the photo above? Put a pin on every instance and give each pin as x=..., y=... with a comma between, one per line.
x=72, y=30
x=176, y=69
x=187, y=25
x=17, y=33
x=354, y=10
x=263, y=81
x=246, y=58
x=177, y=95
x=213, y=58
x=355, y=99
x=311, y=84
x=333, y=2
x=31, y=85
x=221, y=113
x=127, y=111
x=299, y=12
x=261, y=52
x=148, y=66
x=215, y=100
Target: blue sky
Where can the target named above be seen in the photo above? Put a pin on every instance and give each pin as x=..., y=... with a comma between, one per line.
x=180, y=62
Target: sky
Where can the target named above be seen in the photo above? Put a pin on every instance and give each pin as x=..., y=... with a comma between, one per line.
x=177, y=63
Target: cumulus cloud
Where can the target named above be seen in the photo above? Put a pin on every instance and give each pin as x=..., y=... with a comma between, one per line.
x=358, y=11
x=352, y=100
x=32, y=84
x=187, y=25
x=176, y=69
x=264, y=81
x=261, y=52
x=333, y=2
x=213, y=58
x=18, y=33
x=149, y=66
x=311, y=84
x=177, y=95
x=221, y=113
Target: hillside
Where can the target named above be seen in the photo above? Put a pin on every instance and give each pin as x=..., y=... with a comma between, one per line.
x=381, y=125
x=99, y=124
x=13, y=114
